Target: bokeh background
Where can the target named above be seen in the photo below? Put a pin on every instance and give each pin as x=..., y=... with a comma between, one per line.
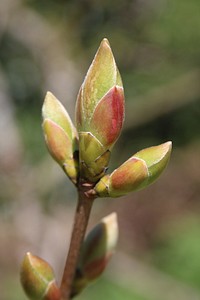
x=49, y=45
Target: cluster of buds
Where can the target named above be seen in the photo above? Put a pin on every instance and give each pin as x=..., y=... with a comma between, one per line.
x=83, y=151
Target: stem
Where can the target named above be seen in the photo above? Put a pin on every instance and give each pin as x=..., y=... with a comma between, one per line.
x=85, y=201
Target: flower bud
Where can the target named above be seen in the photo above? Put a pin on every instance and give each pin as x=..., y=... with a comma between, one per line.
x=60, y=135
x=99, y=247
x=96, y=252
x=38, y=280
x=128, y=177
x=99, y=112
x=136, y=173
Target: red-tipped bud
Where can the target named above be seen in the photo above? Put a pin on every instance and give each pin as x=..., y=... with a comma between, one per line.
x=60, y=135
x=99, y=112
x=96, y=252
x=100, y=78
x=136, y=173
x=99, y=247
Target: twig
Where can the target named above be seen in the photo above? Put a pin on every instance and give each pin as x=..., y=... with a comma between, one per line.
x=85, y=201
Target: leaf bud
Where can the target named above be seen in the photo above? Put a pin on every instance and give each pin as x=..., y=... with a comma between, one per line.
x=99, y=246
x=101, y=96
x=96, y=252
x=60, y=135
x=137, y=172
x=38, y=279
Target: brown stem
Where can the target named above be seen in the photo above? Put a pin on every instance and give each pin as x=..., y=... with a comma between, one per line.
x=85, y=201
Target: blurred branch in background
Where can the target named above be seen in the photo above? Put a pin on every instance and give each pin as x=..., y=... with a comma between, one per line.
x=45, y=43
x=164, y=100
x=9, y=159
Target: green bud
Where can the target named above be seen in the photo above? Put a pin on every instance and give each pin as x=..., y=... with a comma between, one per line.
x=100, y=78
x=38, y=279
x=101, y=96
x=53, y=109
x=58, y=142
x=96, y=252
x=156, y=159
x=137, y=172
x=99, y=246
x=93, y=157
x=60, y=135
x=127, y=178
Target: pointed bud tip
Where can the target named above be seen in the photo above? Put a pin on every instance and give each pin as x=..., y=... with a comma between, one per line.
x=110, y=219
x=48, y=97
x=168, y=145
x=50, y=101
x=165, y=150
x=156, y=159
x=105, y=42
x=105, y=45
x=111, y=223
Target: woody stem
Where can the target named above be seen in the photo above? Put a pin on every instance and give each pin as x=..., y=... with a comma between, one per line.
x=85, y=201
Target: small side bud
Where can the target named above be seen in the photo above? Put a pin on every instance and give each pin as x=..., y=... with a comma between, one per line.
x=99, y=246
x=137, y=172
x=60, y=135
x=38, y=279
x=97, y=250
x=128, y=177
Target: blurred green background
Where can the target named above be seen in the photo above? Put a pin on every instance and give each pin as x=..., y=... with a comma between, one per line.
x=49, y=45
